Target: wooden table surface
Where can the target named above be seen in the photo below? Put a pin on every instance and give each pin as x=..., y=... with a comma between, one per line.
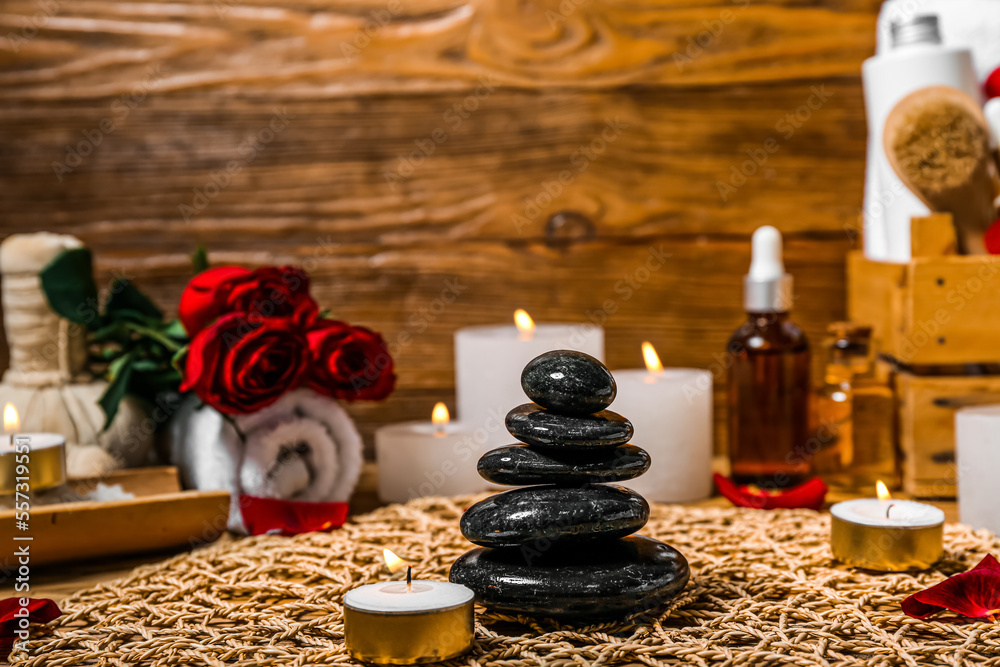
x=59, y=581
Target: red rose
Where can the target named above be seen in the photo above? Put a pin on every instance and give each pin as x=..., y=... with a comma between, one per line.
x=239, y=366
x=349, y=363
x=266, y=292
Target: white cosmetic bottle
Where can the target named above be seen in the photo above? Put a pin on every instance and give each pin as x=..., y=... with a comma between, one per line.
x=916, y=60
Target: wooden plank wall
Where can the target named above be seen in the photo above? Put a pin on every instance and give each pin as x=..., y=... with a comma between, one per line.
x=404, y=148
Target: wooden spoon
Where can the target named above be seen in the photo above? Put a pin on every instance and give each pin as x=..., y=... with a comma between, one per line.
x=937, y=141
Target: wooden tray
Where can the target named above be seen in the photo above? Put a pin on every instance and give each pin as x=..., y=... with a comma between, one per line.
x=161, y=516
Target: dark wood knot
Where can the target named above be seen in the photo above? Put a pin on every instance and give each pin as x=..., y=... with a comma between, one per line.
x=564, y=228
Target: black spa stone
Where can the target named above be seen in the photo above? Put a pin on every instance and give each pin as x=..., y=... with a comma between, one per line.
x=538, y=427
x=608, y=579
x=568, y=382
x=539, y=516
x=522, y=465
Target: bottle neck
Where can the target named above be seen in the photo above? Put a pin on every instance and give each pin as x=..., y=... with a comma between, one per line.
x=839, y=368
x=764, y=319
x=775, y=316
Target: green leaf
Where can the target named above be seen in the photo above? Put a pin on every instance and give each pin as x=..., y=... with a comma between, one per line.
x=115, y=331
x=68, y=283
x=148, y=385
x=119, y=374
x=120, y=366
x=146, y=365
x=125, y=299
x=199, y=259
x=134, y=317
x=175, y=330
x=154, y=334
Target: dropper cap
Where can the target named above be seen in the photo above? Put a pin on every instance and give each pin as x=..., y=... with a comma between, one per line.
x=767, y=288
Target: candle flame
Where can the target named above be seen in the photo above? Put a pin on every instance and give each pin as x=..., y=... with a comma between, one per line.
x=11, y=421
x=652, y=359
x=440, y=416
x=525, y=325
x=393, y=562
x=882, y=491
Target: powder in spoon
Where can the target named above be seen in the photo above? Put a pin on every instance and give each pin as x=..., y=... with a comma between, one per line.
x=939, y=145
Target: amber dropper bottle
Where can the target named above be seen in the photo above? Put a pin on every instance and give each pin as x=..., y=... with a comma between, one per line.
x=768, y=388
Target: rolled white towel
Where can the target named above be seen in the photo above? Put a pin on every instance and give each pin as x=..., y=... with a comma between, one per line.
x=303, y=447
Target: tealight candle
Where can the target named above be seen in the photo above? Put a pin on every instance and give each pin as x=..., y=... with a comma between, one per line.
x=886, y=535
x=36, y=461
x=417, y=459
x=411, y=622
x=488, y=363
x=671, y=411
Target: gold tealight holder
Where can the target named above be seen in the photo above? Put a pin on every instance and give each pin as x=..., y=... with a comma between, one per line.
x=408, y=622
x=31, y=462
x=886, y=535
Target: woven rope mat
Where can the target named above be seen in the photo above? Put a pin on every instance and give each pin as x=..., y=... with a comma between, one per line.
x=764, y=591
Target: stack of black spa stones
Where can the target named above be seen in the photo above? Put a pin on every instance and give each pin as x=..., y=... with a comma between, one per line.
x=562, y=545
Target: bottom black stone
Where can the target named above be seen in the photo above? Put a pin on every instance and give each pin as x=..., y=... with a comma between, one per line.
x=607, y=579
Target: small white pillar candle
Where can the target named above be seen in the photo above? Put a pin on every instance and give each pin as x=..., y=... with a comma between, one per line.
x=886, y=535
x=408, y=622
x=671, y=410
x=977, y=450
x=435, y=458
x=489, y=361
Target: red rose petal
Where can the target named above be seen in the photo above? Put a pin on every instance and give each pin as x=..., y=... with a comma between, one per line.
x=973, y=594
x=809, y=495
x=992, y=238
x=40, y=610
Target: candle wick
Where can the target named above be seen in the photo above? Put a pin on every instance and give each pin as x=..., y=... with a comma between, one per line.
x=891, y=505
x=409, y=577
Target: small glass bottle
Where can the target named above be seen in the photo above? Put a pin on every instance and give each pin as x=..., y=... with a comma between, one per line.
x=854, y=414
x=768, y=387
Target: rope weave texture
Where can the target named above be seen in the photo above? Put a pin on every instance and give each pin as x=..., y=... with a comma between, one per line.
x=764, y=591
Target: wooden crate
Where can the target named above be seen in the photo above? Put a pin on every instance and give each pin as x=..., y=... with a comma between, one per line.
x=935, y=319
x=938, y=309
x=927, y=406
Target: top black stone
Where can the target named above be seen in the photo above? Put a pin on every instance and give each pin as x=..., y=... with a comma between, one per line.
x=568, y=382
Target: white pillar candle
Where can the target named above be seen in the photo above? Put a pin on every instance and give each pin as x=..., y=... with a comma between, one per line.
x=671, y=410
x=885, y=534
x=435, y=458
x=977, y=448
x=489, y=361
